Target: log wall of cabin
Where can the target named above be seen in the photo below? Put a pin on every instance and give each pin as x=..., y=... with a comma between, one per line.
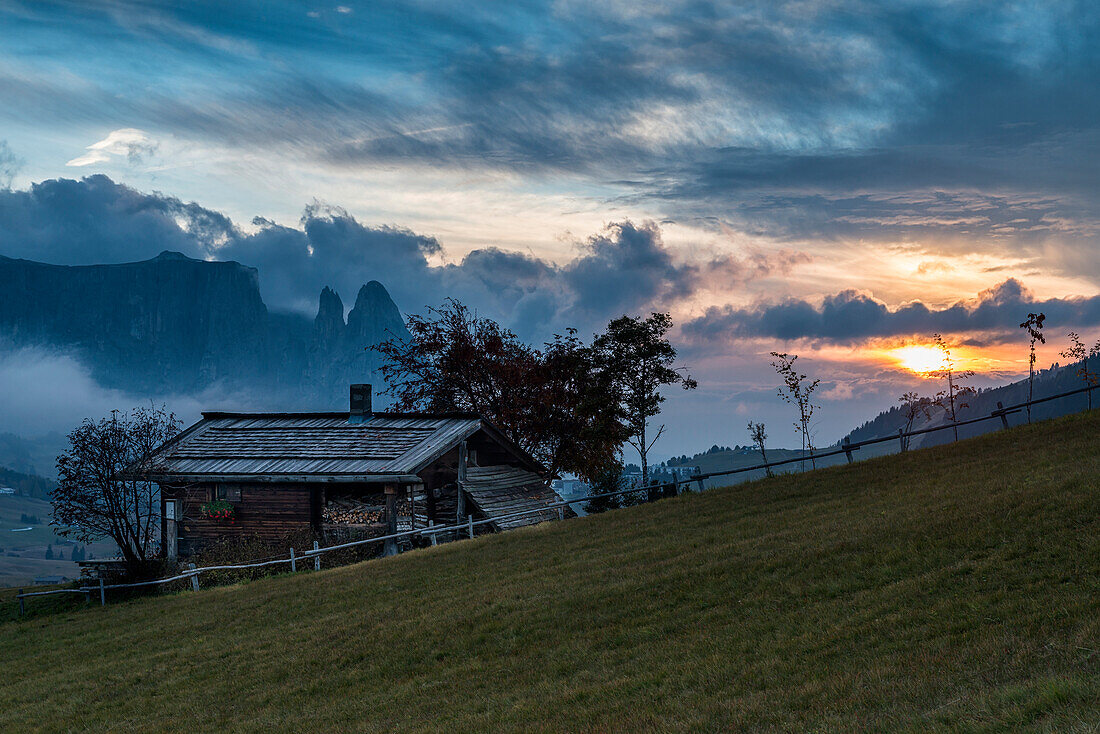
x=270, y=512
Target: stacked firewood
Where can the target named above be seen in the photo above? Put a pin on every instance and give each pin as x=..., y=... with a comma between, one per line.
x=346, y=511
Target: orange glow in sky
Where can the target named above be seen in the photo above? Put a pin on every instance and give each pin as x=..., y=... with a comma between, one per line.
x=924, y=360
x=919, y=358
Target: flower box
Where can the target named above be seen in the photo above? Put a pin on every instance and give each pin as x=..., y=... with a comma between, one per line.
x=219, y=511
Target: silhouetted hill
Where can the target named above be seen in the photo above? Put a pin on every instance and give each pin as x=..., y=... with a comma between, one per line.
x=1057, y=379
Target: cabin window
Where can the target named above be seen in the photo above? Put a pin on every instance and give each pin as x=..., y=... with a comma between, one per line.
x=227, y=492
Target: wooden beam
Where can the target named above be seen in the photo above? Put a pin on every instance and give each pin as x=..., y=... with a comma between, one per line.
x=461, y=502
x=391, y=520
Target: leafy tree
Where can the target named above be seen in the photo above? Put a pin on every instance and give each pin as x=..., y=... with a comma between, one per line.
x=1079, y=354
x=638, y=357
x=578, y=417
x=953, y=399
x=799, y=392
x=556, y=403
x=759, y=437
x=610, y=480
x=1034, y=327
x=102, y=490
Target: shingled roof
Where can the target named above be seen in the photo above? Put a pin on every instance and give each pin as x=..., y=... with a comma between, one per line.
x=313, y=446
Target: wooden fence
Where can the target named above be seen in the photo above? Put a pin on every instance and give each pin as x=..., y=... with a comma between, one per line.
x=435, y=533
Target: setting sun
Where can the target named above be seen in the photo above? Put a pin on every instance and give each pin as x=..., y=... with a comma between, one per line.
x=919, y=359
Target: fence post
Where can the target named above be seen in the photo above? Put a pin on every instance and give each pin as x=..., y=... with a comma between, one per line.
x=102, y=593
x=194, y=578
x=901, y=439
x=1001, y=411
x=847, y=449
x=431, y=524
x=293, y=563
x=561, y=512
x=700, y=481
x=470, y=519
x=22, y=608
x=316, y=557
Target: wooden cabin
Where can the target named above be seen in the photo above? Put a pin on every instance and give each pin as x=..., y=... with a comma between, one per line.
x=340, y=476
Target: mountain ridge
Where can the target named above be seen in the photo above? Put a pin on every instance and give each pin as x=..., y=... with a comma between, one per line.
x=177, y=325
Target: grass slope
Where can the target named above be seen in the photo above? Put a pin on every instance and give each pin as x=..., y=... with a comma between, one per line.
x=953, y=589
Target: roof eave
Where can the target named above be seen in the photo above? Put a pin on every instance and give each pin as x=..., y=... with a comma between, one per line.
x=174, y=478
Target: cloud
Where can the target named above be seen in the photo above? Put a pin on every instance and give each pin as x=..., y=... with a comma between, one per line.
x=625, y=268
x=796, y=121
x=135, y=145
x=851, y=317
x=40, y=386
x=9, y=165
x=94, y=220
x=51, y=390
x=604, y=88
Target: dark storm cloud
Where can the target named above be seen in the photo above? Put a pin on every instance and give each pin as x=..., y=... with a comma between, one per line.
x=525, y=85
x=850, y=316
x=95, y=220
x=798, y=121
x=626, y=268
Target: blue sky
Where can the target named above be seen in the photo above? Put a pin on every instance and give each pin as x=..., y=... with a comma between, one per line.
x=831, y=178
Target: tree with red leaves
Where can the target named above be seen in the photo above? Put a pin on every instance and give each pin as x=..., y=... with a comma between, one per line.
x=557, y=403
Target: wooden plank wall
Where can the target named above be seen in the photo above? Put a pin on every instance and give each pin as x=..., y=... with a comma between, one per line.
x=265, y=511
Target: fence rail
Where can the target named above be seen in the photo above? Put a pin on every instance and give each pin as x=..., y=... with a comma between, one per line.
x=469, y=525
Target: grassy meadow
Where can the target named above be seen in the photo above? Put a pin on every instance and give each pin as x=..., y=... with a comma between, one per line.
x=954, y=589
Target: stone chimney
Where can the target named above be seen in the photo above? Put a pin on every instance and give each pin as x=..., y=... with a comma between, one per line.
x=360, y=403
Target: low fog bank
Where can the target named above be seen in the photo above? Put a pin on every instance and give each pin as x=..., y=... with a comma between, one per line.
x=48, y=392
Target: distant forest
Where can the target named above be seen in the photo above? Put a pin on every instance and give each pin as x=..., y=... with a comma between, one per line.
x=27, y=485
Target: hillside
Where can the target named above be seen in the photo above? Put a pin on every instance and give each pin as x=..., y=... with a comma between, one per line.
x=952, y=588
x=26, y=485
x=1053, y=381
x=737, y=458
x=25, y=536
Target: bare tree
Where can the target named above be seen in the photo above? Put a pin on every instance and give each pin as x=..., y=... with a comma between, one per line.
x=953, y=399
x=102, y=491
x=913, y=405
x=759, y=437
x=1034, y=326
x=799, y=392
x=1078, y=353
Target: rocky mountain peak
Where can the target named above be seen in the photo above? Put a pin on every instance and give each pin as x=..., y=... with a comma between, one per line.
x=375, y=317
